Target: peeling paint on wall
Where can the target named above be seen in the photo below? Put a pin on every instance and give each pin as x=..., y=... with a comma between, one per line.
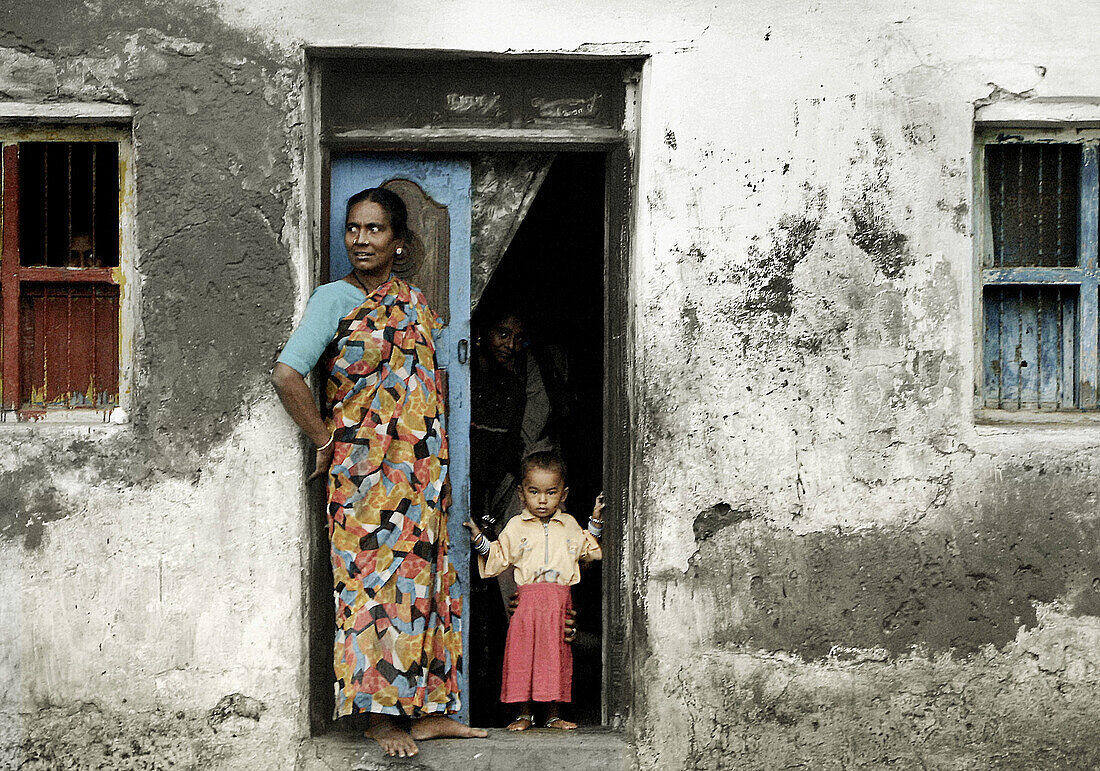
x=28, y=503
x=769, y=279
x=873, y=230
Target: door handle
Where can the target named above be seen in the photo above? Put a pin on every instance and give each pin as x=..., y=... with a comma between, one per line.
x=463, y=351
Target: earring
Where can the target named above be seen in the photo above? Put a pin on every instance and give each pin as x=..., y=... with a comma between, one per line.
x=400, y=250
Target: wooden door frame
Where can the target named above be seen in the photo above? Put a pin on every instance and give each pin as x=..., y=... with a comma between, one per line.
x=620, y=445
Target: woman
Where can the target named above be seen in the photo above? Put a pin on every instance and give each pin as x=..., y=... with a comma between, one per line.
x=510, y=410
x=383, y=446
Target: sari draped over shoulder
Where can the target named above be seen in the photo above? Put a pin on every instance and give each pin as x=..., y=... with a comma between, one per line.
x=398, y=646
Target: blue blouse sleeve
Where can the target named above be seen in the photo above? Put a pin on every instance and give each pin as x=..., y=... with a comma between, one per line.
x=326, y=306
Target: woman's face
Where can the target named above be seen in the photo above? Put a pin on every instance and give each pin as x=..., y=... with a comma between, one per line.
x=369, y=239
x=506, y=339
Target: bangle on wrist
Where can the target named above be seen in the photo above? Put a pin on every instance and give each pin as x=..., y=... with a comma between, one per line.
x=325, y=446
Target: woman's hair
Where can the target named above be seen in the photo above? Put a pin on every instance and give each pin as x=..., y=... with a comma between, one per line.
x=543, y=461
x=491, y=314
x=390, y=202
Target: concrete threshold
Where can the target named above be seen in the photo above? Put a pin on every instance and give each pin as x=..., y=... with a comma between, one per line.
x=586, y=749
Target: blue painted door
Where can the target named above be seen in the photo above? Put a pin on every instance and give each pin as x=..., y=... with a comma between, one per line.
x=447, y=182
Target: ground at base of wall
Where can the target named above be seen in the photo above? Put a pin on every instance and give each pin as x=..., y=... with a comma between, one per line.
x=85, y=737
x=535, y=750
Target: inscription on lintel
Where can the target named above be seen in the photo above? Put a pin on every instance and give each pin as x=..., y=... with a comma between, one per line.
x=474, y=105
x=572, y=107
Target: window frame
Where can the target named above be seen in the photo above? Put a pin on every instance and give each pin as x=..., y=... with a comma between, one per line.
x=71, y=124
x=1031, y=129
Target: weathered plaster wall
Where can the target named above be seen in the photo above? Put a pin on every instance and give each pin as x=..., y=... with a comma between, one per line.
x=833, y=566
x=839, y=568
x=151, y=613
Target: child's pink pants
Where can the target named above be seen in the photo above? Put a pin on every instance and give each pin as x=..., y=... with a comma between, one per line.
x=538, y=663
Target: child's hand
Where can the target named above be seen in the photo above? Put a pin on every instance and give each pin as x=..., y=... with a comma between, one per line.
x=473, y=528
x=597, y=510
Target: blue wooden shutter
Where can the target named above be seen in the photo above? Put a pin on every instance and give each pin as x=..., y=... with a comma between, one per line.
x=1030, y=347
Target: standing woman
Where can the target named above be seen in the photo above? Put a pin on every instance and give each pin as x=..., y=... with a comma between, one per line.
x=382, y=444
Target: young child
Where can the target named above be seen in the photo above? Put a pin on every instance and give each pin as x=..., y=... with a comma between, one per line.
x=546, y=546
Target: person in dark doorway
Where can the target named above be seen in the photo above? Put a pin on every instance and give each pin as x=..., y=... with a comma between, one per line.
x=510, y=409
x=538, y=665
x=382, y=446
x=511, y=416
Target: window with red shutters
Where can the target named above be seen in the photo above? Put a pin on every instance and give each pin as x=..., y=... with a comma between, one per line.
x=60, y=276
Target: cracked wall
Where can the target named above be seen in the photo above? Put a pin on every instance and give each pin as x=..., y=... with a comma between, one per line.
x=837, y=567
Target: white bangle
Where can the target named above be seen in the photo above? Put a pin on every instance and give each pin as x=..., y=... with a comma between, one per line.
x=325, y=446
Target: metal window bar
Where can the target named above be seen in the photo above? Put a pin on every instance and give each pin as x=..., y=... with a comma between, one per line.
x=1019, y=200
x=1058, y=199
x=1003, y=366
x=95, y=194
x=1039, y=213
x=69, y=205
x=45, y=208
x=1001, y=213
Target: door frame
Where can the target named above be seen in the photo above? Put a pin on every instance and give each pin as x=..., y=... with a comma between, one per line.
x=619, y=147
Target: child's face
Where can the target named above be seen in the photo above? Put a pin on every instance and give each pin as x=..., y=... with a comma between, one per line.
x=542, y=492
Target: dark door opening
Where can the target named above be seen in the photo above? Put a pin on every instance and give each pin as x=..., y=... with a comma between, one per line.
x=551, y=278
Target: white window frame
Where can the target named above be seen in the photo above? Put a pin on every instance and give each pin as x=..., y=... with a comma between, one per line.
x=1055, y=121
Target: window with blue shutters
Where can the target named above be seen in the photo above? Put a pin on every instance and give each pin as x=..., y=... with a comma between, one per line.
x=1039, y=271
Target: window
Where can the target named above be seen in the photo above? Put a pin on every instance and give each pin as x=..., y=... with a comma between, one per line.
x=61, y=272
x=1039, y=269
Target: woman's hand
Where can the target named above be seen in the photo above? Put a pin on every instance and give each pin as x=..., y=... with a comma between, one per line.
x=323, y=461
x=569, y=633
x=300, y=405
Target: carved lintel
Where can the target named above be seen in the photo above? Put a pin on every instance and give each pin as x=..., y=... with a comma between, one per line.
x=570, y=107
x=475, y=105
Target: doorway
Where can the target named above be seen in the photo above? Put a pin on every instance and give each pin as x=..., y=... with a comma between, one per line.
x=550, y=279
x=582, y=110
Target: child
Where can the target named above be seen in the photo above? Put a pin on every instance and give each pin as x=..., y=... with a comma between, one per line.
x=546, y=546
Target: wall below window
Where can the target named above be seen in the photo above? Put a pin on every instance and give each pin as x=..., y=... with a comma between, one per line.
x=832, y=565
x=151, y=572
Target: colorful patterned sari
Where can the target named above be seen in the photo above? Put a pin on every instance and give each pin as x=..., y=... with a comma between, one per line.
x=398, y=645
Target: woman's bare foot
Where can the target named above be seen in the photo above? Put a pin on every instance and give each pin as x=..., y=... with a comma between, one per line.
x=439, y=727
x=392, y=739
x=560, y=724
x=521, y=723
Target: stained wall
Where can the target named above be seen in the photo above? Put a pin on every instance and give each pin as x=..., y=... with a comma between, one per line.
x=832, y=563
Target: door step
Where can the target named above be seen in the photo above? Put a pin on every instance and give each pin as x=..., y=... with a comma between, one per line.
x=586, y=749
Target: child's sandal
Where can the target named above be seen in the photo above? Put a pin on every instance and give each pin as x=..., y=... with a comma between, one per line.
x=530, y=723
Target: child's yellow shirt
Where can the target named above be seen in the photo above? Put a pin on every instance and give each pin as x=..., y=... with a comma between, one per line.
x=542, y=552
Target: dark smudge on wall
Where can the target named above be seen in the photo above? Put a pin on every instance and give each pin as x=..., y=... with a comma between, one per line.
x=942, y=590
